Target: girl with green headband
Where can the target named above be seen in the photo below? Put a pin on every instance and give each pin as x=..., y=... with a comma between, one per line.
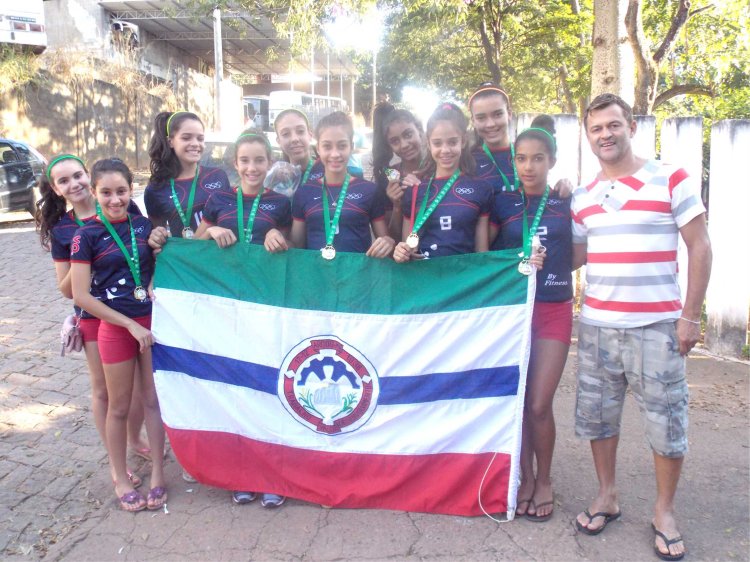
x=250, y=214
x=179, y=186
x=538, y=220
x=66, y=204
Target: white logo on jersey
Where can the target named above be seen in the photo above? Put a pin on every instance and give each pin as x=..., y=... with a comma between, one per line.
x=464, y=190
x=212, y=186
x=106, y=238
x=354, y=196
x=267, y=207
x=541, y=231
x=445, y=223
x=552, y=202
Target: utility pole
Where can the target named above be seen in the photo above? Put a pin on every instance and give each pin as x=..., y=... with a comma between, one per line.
x=219, y=68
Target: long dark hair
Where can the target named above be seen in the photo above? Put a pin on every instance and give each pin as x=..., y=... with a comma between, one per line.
x=381, y=150
x=51, y=207
x=164, y=162
x=452, y=113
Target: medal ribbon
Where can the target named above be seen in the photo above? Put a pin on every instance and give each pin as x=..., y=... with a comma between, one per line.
x=424, y=211
x=306, y=175
x=331, y=225
x=528, y=233
x=506, y=181
x=185, y=216
x=246, y=233
x=79, y=221
x=132, y=260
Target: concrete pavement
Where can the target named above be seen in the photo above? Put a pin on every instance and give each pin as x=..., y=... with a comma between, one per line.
x=56, y=501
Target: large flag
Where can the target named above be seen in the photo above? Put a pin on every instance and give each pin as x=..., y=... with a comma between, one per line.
x=354, y=382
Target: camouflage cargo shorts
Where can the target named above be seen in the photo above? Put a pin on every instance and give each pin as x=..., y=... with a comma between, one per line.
x=648, y=359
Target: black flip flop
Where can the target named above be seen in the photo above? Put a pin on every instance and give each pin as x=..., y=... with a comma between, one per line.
x=607, y=518
x=667, y=542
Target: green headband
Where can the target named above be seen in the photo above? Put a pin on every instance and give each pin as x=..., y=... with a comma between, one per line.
x=170, y=118
x=292, y=110
x=254, y=135
x=59, y=159
x=546, y=132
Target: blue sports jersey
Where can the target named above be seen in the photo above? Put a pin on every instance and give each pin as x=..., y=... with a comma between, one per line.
x=451, y=228
x=274, y=211
x=316, y=173
x=111, y=279
x=62, y=234
x=159, y=204
x=361, y=206
x=487, y=170
x=554, y=283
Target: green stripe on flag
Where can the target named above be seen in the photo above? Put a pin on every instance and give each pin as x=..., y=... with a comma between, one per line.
x=352, y=283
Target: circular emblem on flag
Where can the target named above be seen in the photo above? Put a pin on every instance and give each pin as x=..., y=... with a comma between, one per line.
x=328, y=386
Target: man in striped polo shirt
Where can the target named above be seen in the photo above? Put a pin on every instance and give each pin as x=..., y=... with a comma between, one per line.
x=634, y=330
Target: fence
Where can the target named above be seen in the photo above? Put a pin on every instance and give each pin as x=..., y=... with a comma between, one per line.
x=681, y=143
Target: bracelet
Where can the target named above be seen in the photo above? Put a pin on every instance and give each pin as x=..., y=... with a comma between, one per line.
x=696, y=322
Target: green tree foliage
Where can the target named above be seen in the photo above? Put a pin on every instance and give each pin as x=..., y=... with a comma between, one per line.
x=538, y=50
x=711, y=54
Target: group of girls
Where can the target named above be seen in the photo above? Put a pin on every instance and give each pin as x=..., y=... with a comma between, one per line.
x=429, y=199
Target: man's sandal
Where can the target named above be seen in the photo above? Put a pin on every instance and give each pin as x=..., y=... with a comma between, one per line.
x=667, y=556
x=607, y=518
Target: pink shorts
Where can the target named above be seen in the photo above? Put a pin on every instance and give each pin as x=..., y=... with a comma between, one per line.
x=552, y=321
x=89, y=328
x=115, y=342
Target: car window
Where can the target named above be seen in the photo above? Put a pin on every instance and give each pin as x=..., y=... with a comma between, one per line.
x=23, y=152
x=7, y=154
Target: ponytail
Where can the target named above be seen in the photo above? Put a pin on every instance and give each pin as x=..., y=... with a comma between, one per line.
x=49, y=210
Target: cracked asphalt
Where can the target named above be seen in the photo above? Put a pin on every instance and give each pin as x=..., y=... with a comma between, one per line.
x=56, y=502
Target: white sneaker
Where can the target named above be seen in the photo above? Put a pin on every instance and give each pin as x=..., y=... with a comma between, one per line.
x=271, y=500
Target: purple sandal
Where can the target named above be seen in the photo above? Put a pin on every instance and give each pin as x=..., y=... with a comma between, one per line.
x=156, y=494
x=132, y=501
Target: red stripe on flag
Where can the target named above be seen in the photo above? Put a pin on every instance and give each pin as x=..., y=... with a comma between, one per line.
x=631, y=257
x=622, y=306
x=653, y=206
x=441, y=483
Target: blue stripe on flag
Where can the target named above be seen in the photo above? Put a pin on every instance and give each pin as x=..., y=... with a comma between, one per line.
x=477, y=383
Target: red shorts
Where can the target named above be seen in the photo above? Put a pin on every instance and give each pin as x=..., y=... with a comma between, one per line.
x=552, y=321
x=115, y=342
x=89, y=328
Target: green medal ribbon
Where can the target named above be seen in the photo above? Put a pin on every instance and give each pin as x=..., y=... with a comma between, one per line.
x=332, y=225
x=506, y=181
x=185, y=215
x=424, y=211
x=246, y=233
x=132, y=260
x=306, y=175
x=79, y=221
x=528, y=233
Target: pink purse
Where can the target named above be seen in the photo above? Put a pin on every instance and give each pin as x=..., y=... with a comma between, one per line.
x=70, y=335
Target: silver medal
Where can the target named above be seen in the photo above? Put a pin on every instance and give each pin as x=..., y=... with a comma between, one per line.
x=328, y=253
x=187, y=232
x=412, y=240
x=140, y=294
x=525, y=268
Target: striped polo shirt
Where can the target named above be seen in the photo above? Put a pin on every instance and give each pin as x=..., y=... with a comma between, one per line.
x=631, y=227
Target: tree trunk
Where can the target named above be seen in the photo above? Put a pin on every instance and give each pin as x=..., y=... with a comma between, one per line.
x=490, y=45
x=647, y=72
x=612, y=68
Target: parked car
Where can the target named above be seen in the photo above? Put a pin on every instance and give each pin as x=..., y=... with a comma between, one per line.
x=21, y=170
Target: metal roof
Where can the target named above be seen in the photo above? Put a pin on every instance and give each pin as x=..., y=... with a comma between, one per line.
x=245, y=37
